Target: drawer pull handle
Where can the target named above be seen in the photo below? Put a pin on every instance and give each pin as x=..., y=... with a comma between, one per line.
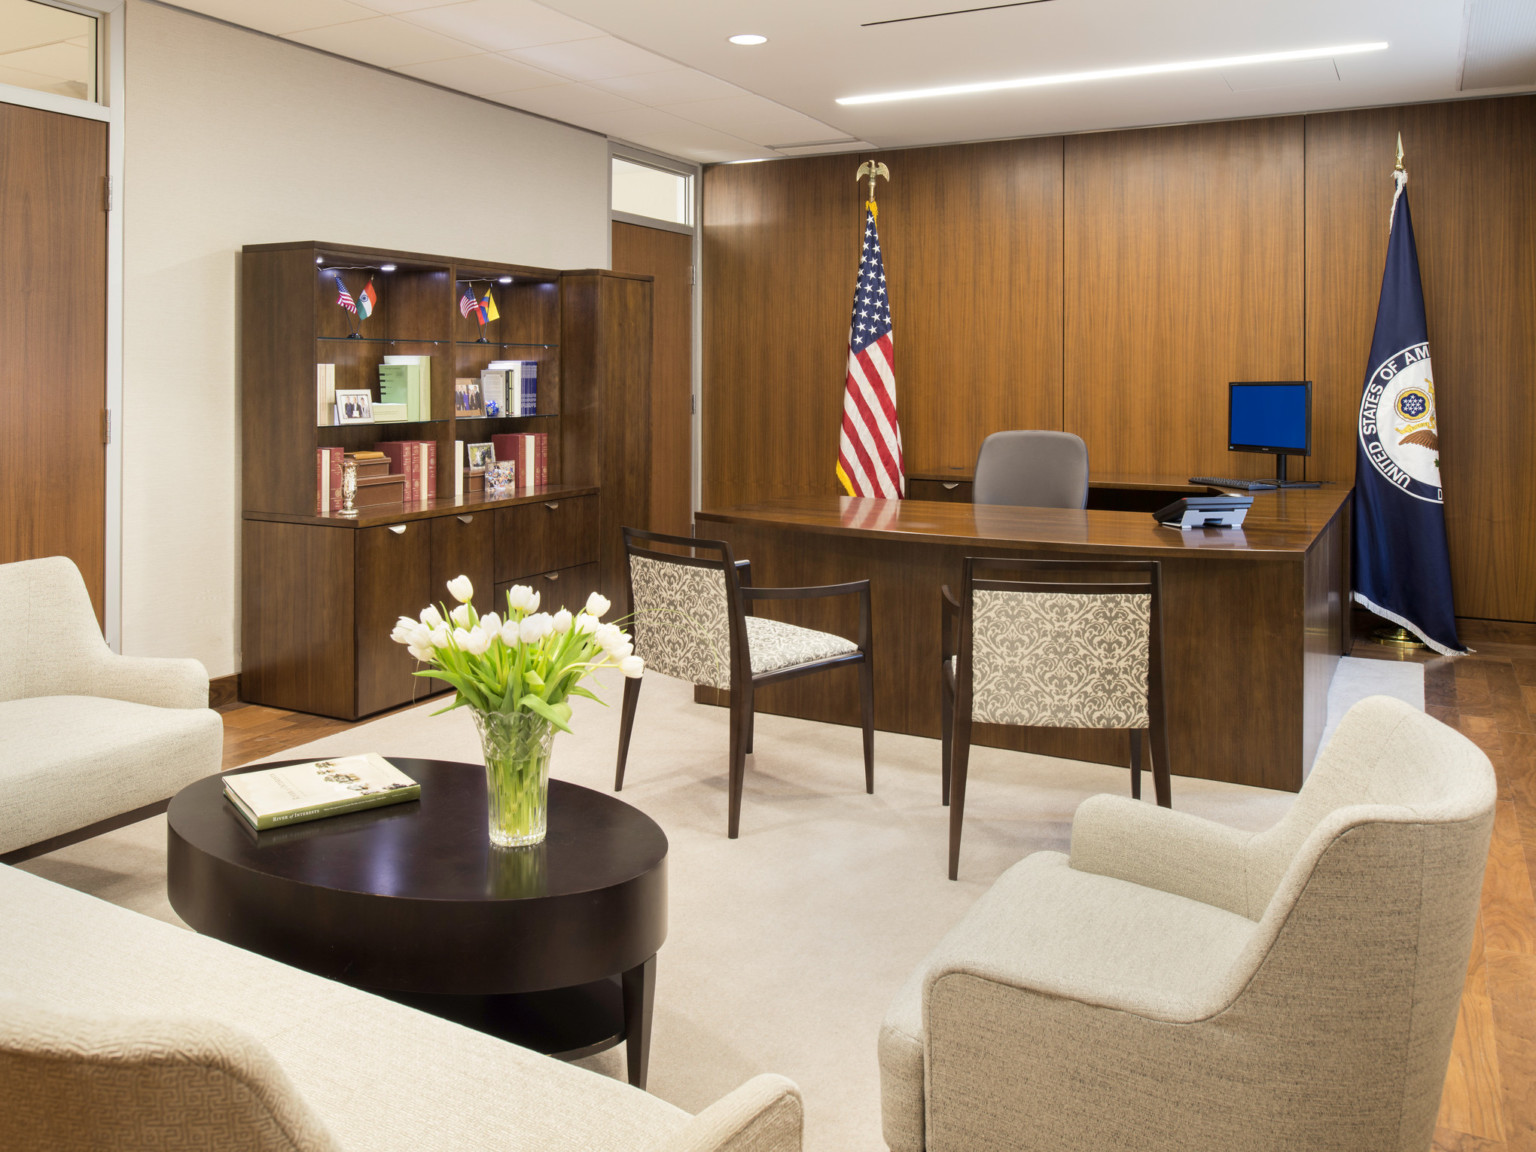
x=553, y=506
x=551, y=575
x=951, y=485
x=465, y=519
x=398, y=529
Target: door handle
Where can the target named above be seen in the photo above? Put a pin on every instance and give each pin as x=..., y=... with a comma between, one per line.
x=465, y=519
x=950, y=485
x=398, y=529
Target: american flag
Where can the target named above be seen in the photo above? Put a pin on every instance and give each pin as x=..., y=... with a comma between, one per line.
x=467, y=302
x=869, y=450
x=344, y=298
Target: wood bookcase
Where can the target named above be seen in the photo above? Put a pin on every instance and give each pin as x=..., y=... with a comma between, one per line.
x=320, y=591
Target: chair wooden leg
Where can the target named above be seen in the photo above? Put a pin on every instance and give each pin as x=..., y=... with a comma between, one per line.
x=741, y=710
x=1136, y=763
x=867, y=701
x=1162, y=777
x=946, y=734
x=626, y=724
x=961, y=755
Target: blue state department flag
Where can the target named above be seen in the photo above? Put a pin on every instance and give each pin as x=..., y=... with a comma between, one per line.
x=1402, y=567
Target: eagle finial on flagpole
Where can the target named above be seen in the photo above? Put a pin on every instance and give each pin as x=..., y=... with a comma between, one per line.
x=872, y=169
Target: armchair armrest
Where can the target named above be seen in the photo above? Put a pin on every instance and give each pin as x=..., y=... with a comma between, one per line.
x=859, y=588
x=744, y=572
x=764, y=1115
x=161, y=682
x=1160, y=848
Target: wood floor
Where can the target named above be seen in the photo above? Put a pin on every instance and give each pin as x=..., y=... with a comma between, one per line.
x=1489, y=1104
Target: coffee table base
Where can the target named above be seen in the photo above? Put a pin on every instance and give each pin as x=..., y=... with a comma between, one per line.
x=567, y=1023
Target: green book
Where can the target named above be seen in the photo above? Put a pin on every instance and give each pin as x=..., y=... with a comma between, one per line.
x=298, y=792
x=420, y=383
x=401, y=384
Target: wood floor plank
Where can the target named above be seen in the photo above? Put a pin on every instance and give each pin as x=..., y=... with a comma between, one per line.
x=1509, y=910
x=1512, y=989
x=1472, y=1102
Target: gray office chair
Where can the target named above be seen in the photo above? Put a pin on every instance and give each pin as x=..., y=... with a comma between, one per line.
x=1034, y=469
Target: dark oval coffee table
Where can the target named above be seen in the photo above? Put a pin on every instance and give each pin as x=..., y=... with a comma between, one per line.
x=552, y=947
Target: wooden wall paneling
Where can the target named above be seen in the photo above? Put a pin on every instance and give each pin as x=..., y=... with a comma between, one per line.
x=296, y=621
x=971, y=237
x=668, y=258
x=53, y=332
x=1184, y=271
x=781, y=249
x=1471, y=169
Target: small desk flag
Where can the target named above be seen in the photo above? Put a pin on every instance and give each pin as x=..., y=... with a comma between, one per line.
x=467, y=302
x=366, y=300
x=869, y=461
x=1402, y=566
x=343, y=297
x=488, y=305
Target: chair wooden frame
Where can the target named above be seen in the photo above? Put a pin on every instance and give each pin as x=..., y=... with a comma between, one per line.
x=957, y=681
x=740, y=598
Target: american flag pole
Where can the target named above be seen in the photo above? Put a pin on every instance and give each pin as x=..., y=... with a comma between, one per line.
x=869, y=458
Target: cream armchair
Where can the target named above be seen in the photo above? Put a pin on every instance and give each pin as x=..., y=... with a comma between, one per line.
x=1176, y=984
x=89, y=740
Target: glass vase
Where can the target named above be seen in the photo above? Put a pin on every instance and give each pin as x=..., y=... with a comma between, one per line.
x=516, y=746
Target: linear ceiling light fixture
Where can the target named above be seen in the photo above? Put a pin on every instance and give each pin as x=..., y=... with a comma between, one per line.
x=748, y=38
x=1116, y=73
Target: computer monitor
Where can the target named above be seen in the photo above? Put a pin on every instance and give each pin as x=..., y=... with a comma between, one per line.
x=1271, y=416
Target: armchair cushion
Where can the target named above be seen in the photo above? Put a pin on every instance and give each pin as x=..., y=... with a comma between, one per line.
x=764, y=1115
x=70, y=761
x=775, y=645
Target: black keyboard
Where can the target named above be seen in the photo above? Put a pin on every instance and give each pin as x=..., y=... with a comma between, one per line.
x=1228, y=482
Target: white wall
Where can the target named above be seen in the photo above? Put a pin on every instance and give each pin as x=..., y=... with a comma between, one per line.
x=233, y=138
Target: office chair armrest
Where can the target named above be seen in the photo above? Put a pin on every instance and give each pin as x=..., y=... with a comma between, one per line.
x=764, y=1115
x=1160, y=848
x=859, y=588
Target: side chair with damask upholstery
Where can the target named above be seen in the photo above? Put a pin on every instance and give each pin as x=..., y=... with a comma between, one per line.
x=1078, y=646
x=691, y=617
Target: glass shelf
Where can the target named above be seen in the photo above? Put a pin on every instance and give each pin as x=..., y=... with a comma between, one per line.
x=380, y=423
x=376, y=340
x=502, y=344
x=535, y=416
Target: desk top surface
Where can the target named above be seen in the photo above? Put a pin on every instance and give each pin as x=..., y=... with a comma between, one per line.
x=1280, y=525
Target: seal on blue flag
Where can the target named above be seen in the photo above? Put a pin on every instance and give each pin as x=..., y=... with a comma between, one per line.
x=1397, y=423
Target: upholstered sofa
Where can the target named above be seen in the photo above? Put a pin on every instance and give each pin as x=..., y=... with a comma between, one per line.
x=122, y=1032
x=89, y=740
x=1174, y=984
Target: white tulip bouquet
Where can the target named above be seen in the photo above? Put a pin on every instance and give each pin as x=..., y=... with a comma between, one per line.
x=516, y=674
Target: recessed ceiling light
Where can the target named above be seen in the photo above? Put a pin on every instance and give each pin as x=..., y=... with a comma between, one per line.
x=749, y=38
x=1116, y=73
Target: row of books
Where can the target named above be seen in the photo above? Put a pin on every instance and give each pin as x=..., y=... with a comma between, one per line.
x=405, y=394
x=511, y=388
x=405, y=471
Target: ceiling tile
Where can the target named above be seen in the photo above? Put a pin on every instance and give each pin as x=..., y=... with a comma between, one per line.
x=663, y=132
x=502, y=25
x=384, y=41
x=670, y=87
x=595, y=59
x=574, y=103
x=761, y=121
x=280, y=17
x=482, y=75
x=396, y=7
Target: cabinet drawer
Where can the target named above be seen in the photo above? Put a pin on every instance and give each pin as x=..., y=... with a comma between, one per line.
x=562, y=588
x=545, y=536
x=946, y=491
x=391, y=579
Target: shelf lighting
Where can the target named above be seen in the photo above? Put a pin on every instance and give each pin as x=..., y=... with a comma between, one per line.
x=749, y=38
x=386, y=267
x=319, y=259
x=504, y=280
x=1117, y=73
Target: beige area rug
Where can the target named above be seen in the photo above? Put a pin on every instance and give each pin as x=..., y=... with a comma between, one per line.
x=786, y=945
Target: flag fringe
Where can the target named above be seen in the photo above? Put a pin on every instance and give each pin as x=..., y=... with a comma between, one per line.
x=1402, y=622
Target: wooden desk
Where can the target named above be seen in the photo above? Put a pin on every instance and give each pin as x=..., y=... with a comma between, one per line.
x=1254, y=619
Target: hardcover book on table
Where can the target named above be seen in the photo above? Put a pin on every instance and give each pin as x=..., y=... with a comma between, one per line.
x=299, y=792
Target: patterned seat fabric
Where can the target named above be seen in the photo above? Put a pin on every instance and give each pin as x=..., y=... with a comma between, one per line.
x=1060, y=659
x=776, y=645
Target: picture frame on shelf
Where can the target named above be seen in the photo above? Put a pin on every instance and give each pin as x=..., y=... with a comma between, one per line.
x=500, y=477
x=467, y=398
x=354, y=406
x=479, y=457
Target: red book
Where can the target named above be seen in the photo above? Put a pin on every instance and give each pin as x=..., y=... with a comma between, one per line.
x=429, y=469
x=504, y=444
x=401, y=457
x=328, y=479
x=543, y=455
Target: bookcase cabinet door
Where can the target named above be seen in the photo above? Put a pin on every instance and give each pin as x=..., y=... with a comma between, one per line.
x=543, y=537
x=464, y=545
x=392, y=579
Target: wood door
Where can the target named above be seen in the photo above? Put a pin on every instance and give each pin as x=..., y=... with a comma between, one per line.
x=667, y=256
x=53, y=340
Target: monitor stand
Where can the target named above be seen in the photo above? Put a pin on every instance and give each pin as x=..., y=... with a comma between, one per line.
x=1282, y=482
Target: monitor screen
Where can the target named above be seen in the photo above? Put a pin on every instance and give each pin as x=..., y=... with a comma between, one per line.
x=1270, y=417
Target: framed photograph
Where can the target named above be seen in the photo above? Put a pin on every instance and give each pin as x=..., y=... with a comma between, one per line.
x=354, y=406
x=499, y=475
x=467, y=400
x=479, y=457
